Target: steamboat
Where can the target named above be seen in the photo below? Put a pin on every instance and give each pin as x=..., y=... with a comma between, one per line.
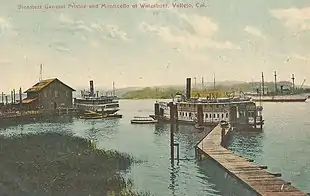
x=106, y=105
x=240, y=112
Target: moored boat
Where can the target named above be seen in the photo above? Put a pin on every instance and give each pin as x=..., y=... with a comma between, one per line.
x=210, y=111
x=91, y=101
x=277, y=98
x=143, y=120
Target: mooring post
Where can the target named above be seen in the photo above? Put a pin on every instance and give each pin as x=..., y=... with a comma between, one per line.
x=11, y=97
x=172, y=123
x=2, y=97
x=222, y=135
x=178, y=152
x=14, y=98
x=6, y=100
x=255, y=118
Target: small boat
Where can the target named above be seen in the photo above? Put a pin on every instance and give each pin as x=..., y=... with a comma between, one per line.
x=143, y=120
x=94, y=115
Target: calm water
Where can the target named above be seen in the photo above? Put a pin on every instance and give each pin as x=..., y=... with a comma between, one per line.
x=284, y=146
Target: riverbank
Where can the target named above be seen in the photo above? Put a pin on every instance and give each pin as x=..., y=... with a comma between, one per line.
x=61, y=164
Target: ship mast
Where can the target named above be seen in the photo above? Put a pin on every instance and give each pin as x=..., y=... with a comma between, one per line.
x=40, y=76
x=202, y=83
x=263, y=84
x=293, y=79
x=275, y=82
x=213, y=80
x=113, y=88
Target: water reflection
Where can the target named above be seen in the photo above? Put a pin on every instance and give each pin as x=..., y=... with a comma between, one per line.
x=174, y=173
x=99, y=128
x=221, y=180
x=248, y=144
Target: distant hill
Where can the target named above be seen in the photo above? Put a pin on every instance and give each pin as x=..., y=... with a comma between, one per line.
x=166, y=91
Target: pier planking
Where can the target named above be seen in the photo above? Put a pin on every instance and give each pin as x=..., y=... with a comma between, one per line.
x=256, y=178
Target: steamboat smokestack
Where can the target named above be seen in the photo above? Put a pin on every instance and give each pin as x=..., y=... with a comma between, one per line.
x=188, y=88
x=91, y=88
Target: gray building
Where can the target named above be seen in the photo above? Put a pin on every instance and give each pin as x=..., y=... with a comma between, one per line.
x=49, y=94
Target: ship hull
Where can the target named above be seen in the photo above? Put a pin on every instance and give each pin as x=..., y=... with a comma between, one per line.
x=279, y=100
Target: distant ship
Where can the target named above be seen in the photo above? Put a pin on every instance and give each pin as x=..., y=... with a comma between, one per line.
x=279, y=98
x=92, y=102
x=279, y=95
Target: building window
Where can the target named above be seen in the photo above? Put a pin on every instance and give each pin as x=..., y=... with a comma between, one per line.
x=226, y=115
x=190, y=114
x=218, y=115
x=213, y=115
x=206, y=115
x=222, y=115
x=45, y=93
x=56, y=93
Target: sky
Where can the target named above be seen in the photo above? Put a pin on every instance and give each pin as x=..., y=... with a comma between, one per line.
x=235, y=40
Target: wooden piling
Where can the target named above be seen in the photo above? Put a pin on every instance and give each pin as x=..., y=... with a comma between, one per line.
x=20, y=97
x=254, y=177
x=172, y=126
x=14, y=98
x=11, y=97
x=2, y=97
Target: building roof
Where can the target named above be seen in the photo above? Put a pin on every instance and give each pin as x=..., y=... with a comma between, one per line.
x=44, y=83
x=25, y=101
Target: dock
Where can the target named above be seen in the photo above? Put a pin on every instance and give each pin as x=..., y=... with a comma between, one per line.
x=254, y=177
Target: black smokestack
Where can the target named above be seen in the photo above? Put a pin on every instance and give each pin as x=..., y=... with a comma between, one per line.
x=91, y=87
x=188, y=88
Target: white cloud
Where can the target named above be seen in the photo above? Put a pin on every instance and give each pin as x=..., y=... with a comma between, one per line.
x=110, y=31
x=297, y=18
x=62, y=49
x=254, y=31
x=4, y=25
x=5, y=62
x=300, y=57
x=202, y=38
x=189, y=30
x=107, y=31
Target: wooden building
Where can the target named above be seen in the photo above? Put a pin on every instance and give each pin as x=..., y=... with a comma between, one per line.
x=48, y=95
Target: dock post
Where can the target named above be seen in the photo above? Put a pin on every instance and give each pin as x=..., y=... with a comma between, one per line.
x=2, y=97
x=199, y=115
x=11, y=97
x=6, y=100
x=172, y=124
x=261, y=123
x=255, y=116
x=156, y=109
x=222, y=135
x=20, y=97
x=178, y=152
x=14, y=98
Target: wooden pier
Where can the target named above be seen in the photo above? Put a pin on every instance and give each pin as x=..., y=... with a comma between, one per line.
x=255, y=178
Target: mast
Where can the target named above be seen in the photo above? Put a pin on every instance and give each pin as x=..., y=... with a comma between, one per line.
x=202, y=83
x=263, y=84
x=293, y=80
x=195, y=82
x=214, y=80
x=275, y=82
x=41, y=69
x=113, y=88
